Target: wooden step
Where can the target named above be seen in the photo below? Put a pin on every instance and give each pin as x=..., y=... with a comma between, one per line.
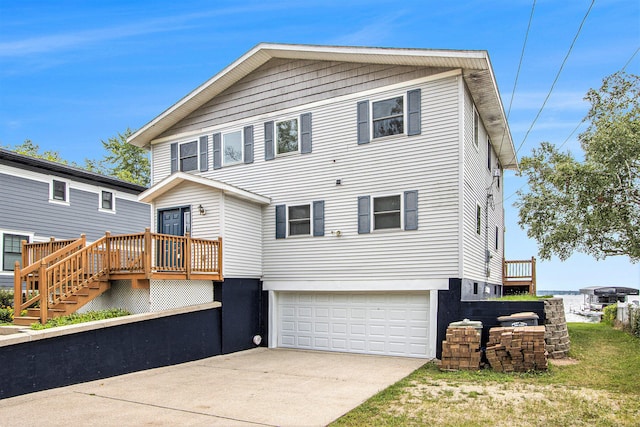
x=25, y=320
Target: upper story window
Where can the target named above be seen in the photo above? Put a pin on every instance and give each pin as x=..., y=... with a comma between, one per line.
x=287, y=136
x=489, y=154
x=11, y=250
x=232, y=148
x=190, y=155
x=386, y=212
x=299, y=220
x=388, y=117
x=400, y=115
x=107, y=201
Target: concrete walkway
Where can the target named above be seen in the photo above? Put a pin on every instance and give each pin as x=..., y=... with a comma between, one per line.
x=274, y=387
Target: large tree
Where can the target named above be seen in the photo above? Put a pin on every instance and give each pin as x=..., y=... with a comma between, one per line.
x=126, y=161
x=29, y=148
x=590, y=206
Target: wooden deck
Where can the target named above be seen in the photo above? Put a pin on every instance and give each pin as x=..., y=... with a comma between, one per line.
x=519, y=277
x=61, y=277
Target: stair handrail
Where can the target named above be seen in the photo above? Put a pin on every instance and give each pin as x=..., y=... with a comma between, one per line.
x=72, y=272
x=30, y=273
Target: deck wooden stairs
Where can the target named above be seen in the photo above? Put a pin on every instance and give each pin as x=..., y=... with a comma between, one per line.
x=61, y=277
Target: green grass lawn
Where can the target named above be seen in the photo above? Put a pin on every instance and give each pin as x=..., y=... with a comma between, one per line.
x=600, y=388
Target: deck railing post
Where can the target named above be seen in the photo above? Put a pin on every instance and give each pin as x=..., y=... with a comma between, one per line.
x=107, y=249
x=220, y=257
x=25, y=253
x=17, y=290
x=146, y=259
x=533, y=275
x=43, y=288
x=187, y=255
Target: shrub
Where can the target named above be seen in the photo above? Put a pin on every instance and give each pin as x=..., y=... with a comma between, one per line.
x=74, y=318
x=6, y=298
x=634, y=320
x=609, y=314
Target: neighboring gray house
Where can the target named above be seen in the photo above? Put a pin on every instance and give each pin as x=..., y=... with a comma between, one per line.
x=353, y=184
x=43, y=199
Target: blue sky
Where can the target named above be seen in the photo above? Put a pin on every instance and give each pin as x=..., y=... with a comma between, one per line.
x=73, y=73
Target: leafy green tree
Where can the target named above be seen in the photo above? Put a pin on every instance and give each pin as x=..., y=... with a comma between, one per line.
x=126, y=161
x=590, y=206
x=28, y=148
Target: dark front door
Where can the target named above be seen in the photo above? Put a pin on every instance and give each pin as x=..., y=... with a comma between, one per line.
x=174, y=222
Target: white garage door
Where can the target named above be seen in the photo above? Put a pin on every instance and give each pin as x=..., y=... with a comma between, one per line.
x=386, y=323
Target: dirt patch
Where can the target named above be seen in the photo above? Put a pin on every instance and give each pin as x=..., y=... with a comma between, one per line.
x=567, y=361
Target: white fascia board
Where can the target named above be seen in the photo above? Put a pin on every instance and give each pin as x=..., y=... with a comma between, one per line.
x=356, y=285
x=178, y=178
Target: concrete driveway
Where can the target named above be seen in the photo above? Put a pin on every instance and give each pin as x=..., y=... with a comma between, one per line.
x=274, y=387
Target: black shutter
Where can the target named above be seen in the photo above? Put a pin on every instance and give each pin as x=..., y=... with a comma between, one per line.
x=204, y=153
x=217, y=151
x=410, y=210
x=318, y=218
x=364, y=219
x=305, y=133
x=248, y=144
x=268, y=141
x=363, y=122
x=281, y=221
x=413, y=112
x=174, y=157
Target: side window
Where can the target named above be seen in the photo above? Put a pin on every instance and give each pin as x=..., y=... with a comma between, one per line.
x=476, y=128
x=478, y=219
x=59, y=191
x=489, y=154
x=400, y=115
x=11, y=250
x=388, y=117
x=300, y=220
x=497, y=238
x=396, y=211
x=107, y=201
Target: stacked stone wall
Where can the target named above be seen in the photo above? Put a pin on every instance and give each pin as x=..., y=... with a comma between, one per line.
x=556, y=333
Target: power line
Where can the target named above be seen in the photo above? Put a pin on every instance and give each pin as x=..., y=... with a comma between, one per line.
x=631, y=59
x=557, y=75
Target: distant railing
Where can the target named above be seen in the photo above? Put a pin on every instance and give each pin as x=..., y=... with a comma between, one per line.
x=520, y=272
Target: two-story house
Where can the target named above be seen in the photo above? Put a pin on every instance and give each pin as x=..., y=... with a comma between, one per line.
x=43, y=200
x=352, y=183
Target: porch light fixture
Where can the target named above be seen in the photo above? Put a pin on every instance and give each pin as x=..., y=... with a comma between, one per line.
x=201, y=209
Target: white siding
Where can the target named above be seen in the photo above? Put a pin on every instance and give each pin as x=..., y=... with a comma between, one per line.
x=428, y=163
x=242, y=238
x=478, y=183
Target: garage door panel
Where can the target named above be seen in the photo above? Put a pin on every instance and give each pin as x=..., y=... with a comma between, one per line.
x=377, y=323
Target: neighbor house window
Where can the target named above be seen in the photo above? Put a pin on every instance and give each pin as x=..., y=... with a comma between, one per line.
x=287, y=136
x=388, y=117
x=476, y=126
x=386, y=212
x=11, y=250
x=478, y=219
x=59, y=191
x=300, y=220
x=188, y=156
x=232, y=148
x=106, y=200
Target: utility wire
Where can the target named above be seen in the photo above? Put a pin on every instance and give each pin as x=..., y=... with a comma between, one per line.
x=631, y=59
x=515, y=83
x=557, y=76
